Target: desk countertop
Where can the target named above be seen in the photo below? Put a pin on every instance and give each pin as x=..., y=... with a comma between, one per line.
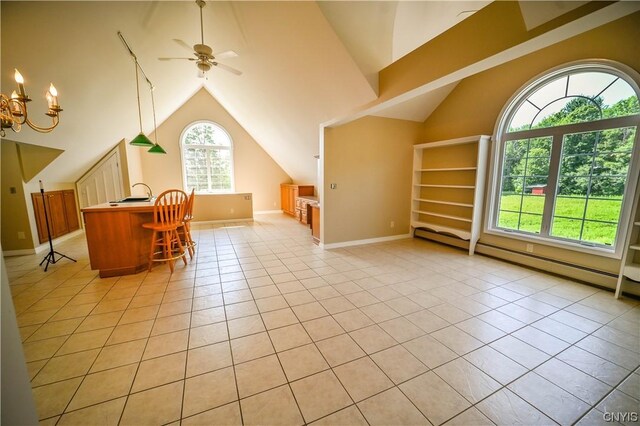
x=141, y=206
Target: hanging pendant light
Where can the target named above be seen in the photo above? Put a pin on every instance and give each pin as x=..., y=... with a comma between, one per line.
x=155, y=149
x=141, y=139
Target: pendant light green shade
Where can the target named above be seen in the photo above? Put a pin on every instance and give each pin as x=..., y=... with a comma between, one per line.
x=141, y=140
x=157, y=149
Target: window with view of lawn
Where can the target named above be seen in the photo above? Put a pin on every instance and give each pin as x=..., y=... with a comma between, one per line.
x=567, y=158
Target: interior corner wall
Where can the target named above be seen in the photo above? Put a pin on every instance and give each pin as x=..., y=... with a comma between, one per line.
x=131, y=165
x=370, y=160
x=14, y=215
x=255, y=171
x=474, y=106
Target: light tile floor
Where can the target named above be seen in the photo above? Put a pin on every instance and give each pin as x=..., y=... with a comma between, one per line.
x=265, y=327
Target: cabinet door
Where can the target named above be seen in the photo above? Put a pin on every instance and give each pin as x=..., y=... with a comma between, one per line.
x=38, y=209
x=70, y=210
x=315, y=223
x=57, y=214
x=285, y=195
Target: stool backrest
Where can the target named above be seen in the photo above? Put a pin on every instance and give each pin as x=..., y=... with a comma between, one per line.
x=188, y=211
x=170, y=206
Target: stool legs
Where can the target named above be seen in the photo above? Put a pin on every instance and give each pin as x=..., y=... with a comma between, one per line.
x=168, y=243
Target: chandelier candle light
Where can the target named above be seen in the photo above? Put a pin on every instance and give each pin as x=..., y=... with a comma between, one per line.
x=13, y=110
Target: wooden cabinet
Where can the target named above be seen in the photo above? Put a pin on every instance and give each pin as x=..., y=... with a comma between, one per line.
x=448, y=188
x=303, y=208
x=117, y=242
x=61, y=211
x=288, y=195
x=315, y=223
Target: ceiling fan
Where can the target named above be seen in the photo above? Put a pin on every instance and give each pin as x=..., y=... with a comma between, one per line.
x=203, y=54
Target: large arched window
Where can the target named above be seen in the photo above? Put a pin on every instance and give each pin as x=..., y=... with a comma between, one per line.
x=567, y=159
x=207, y=158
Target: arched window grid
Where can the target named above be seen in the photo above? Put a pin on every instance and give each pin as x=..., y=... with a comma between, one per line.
x=569, y=184
x=207, y=158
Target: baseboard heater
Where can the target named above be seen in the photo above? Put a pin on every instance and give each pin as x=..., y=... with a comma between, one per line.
x=594, y=277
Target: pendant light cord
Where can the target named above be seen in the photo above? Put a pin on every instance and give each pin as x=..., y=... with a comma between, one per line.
x=153, y=108
x=135, y=64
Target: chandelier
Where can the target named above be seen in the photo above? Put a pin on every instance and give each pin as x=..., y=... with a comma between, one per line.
x=13, y=110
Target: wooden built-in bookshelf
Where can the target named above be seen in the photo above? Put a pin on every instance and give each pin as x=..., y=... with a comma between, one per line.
x=448, y=187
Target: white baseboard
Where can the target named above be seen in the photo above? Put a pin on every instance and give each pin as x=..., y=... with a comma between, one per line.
x=267, y=211
x=210, y=222
x=42, y=247
x=366, y=241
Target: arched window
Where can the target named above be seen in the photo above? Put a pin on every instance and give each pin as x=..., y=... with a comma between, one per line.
x=207, y=158
x=567, y=159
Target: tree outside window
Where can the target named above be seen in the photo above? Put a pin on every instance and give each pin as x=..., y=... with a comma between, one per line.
x=566, y=156
x=207, y=154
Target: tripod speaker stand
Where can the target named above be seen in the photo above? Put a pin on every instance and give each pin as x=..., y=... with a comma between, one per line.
x=51, y=256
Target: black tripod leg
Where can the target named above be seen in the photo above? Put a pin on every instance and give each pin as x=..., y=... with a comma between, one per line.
x=64, y=255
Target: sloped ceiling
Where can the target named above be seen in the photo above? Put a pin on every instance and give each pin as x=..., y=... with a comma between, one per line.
x=303, y=63
x=296, y=73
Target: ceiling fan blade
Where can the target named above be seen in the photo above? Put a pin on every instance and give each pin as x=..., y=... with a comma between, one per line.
x=227, y=68
x=169, y=59
x=226, y=54
x=183, y=44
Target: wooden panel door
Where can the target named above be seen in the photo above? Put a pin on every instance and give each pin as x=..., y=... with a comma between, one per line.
x=103, y=183
x=70, y=210
x=38, y=210
x=57, y=214
x=284, y=198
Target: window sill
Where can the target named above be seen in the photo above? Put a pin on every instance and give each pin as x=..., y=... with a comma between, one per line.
x=223, y=193
x=596, y=251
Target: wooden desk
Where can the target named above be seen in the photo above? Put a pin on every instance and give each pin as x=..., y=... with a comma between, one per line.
x=118, y=244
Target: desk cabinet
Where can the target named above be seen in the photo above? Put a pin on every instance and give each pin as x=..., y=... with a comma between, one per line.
x=315, y=223
x=61, y=210
x=288, y=195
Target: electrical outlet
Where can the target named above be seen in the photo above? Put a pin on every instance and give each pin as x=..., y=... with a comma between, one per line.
x=21, y=235
x=275, y=204
x=232, y=210
x=392, y=224
x=333, y=186
x=529, y=248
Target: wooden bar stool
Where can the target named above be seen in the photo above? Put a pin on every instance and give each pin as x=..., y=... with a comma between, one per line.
x=185, y=226
x=168, y=214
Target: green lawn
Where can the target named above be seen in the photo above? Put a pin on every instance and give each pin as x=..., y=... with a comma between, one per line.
x=568, y=226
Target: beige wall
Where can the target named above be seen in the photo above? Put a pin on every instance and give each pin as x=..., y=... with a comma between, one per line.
x=370, y=160
x=493, y=29
x=20, y=161
x=474, y=106
x=255, y=171
x=222, y=207
x=13, y=206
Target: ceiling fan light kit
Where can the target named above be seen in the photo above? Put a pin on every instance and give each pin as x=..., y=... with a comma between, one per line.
x=203, y=54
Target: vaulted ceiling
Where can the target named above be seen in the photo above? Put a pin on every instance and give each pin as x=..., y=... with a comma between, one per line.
x=303, y=63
